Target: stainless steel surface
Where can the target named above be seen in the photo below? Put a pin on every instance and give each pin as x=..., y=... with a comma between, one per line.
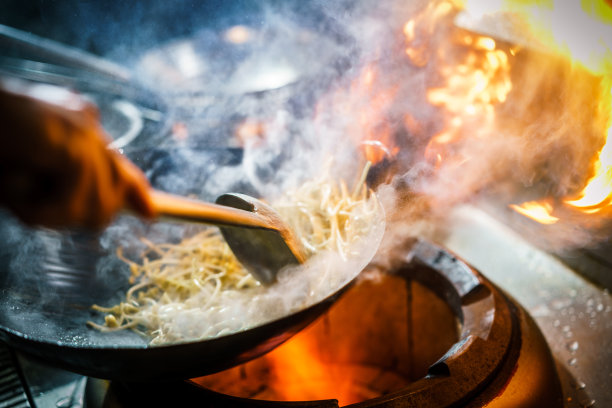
x=263, y=251
x=52, y=51
x=241, y=59
x=594, y=264
x=574, y=315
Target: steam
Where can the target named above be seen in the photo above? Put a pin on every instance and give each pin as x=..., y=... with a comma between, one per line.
x=236, y=310
x=540, y=143
x=532, y=129
x=341, y=78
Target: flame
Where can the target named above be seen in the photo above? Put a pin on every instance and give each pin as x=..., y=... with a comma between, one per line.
x=597, y=194
x=419, y=30
x=365, y=104
x=471, y=90
x=297, y=370
x=540, y=211
x=302, y=375
x=474, y=77
x=250, y=132
x=589, y=47
x=581, y=33
x=469, y=77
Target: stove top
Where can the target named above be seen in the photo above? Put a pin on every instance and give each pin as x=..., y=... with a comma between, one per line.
x=572, y=314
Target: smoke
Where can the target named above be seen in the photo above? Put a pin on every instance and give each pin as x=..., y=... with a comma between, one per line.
x=540, y=143
x=341, y=78
x=345, y=78
x=490, y=125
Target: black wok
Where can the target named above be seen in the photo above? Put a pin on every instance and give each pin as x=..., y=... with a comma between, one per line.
x=48, y=281
x=177, y=361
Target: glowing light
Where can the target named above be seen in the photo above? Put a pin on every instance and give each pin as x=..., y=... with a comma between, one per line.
x=310, y=378
x=581, y=31
x=472, y=87
x=250, y=132
x=419, y=30
x=540, y=211
x=597, y=194
x=409, y=30
x=485, y=43
x=366, y=102
x=188, y=61
x=238, y=35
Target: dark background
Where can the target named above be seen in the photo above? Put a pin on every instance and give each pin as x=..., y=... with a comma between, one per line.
x=118, y=29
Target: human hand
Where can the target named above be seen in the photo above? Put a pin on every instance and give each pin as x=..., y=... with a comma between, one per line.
x=55, y=167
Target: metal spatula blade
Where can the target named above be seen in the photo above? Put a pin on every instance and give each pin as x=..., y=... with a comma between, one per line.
x=264, y=252
x=257, y=235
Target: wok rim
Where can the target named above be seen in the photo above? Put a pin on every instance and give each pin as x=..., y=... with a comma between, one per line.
x=177, y=361
x=25, y=337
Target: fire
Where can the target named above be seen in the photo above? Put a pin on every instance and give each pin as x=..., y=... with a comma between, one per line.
x=495, y=118
x=472, y=87
x=366, y=105
x=310, y=379
x=594, y=54
x=347, y=356
x=538, y=211
x=420, y=30
x=597, y=194
x=473, y=77
x=298, y=370
x=475, y=80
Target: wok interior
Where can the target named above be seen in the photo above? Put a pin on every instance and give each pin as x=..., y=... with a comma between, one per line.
x=51, y=278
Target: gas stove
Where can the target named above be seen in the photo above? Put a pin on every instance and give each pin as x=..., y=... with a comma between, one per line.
x=537, y=290
x=472, y=363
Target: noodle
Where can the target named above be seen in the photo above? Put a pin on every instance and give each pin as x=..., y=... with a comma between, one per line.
x=194, y=289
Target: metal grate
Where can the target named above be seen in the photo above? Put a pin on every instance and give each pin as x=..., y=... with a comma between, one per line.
x=12, y=392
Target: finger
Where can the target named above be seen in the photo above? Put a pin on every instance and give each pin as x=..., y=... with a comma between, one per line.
x=137, y=188
x=108, y=194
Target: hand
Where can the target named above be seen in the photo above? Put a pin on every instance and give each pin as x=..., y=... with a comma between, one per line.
x=55, y=167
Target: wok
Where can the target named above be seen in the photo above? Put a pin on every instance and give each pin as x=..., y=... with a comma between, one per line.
x=49, y=279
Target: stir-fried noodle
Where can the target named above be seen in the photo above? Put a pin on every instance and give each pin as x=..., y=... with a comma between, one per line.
x=192, y=284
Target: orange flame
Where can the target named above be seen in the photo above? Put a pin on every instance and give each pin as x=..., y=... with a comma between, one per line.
x=366, y=103
x=474, y=76
x=596, y=56
x=597, y=194
x=540, y=211
x=310, y=378
x=420, y=29
x=472, y=89
x=473, y=83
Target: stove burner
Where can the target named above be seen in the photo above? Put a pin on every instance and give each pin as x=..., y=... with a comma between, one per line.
x=12, y=393
x=499, y=358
